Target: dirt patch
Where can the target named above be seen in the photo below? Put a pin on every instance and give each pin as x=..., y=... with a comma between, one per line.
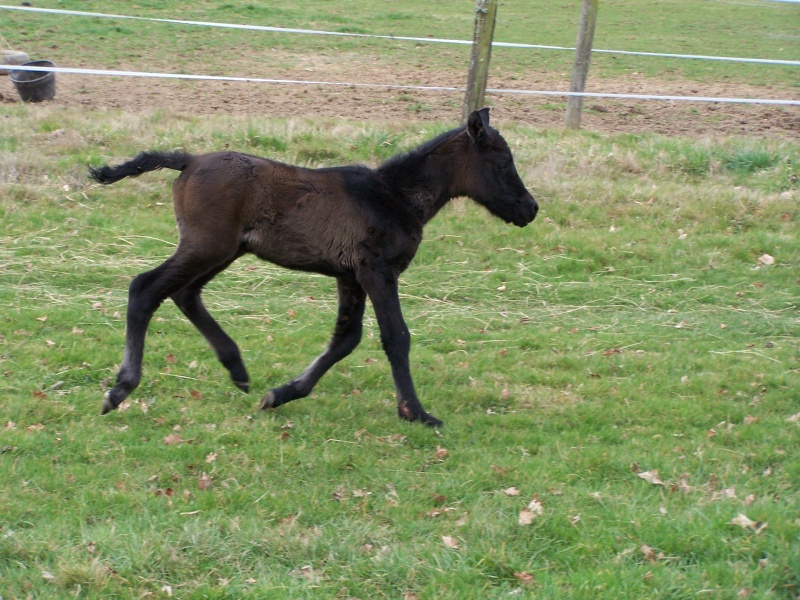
x=683, y=118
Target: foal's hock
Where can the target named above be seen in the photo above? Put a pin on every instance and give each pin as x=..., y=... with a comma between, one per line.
x=359, y=225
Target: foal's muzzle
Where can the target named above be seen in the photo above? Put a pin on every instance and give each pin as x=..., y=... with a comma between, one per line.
x=525, y=211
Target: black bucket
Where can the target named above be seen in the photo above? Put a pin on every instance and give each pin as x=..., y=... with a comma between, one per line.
x=35, y=86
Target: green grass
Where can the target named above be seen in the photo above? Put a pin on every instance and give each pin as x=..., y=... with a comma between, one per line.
x=756, y=29
x=631, y=328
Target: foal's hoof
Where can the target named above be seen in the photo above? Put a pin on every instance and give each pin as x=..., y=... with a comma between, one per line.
x=242, y=385
x=268, y=401
x=421, y=417
x=432, y=421
x=108, y=404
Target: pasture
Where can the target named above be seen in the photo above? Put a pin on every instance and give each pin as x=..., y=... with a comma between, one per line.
x=619, y=380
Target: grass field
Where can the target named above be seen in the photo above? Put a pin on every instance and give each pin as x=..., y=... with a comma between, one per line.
x=619, y=380
x=636, y=327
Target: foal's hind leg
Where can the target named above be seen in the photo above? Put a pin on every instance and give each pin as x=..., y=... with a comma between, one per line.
x=189, y=302
x=147, y=292
x=346, y=336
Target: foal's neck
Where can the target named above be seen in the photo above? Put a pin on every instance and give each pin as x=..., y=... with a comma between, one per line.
x=425, y=176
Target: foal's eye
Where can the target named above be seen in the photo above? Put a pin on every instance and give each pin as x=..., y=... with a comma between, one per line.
x=503, y=164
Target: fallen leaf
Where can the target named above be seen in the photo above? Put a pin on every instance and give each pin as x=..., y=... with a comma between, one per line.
x=512, y=491
x=211, y=457
x=525, y=578
x=308, y=573
x=534, y=509
x=745, y=522
x=682, y=484
x=361, y=493
x=339, y=494
x=196, y=395
x=650, y=554
x=441, y=453
x=170, y=359
x=650, y=477
x=173, y=439
x=438, y=499
x=794, y=418
x=205, y=482
x=450, y=542
x=766, y=260
x=526, y=517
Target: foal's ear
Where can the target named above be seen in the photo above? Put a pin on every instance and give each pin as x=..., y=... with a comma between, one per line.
x=478, y=123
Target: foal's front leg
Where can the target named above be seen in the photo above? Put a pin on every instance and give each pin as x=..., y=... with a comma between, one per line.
x=396, y=340
x=346, y=336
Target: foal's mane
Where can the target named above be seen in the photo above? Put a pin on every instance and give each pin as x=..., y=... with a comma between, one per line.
x=407, y=159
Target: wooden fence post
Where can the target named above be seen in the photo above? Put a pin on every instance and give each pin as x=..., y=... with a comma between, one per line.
x=580, y=69
x=485, y=17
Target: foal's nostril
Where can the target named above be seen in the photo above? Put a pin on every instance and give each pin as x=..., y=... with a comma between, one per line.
x=532, y=207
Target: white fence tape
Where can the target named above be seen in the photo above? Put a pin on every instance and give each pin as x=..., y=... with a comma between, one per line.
x=428, y=88
x=54, y=11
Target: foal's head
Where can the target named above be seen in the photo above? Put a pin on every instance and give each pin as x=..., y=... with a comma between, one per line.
x=490, y=177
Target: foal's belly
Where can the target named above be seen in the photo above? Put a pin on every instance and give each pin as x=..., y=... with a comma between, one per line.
x=297, y=250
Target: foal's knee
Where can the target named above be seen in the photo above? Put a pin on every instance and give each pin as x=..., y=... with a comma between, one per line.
x=396, y=345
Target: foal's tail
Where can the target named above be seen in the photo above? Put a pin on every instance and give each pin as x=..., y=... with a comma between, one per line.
x=142, y=163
